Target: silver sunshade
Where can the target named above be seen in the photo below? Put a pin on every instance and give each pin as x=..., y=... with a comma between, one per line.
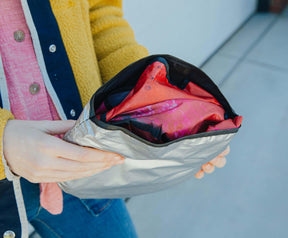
x=148, y=166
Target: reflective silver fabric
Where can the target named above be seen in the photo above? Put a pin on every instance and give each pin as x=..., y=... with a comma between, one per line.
x=147, y=168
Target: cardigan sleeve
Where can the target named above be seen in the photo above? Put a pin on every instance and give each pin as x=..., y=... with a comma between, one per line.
x=114, y=42
x=5, y=115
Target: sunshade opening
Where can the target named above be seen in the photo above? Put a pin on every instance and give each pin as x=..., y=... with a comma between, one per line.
x=164, y=105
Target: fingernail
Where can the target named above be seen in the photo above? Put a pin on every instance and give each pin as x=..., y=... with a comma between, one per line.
x=199, y=175
x=118, y=159
x=208, y=166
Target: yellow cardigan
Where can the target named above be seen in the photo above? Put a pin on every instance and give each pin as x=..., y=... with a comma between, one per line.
x=99, y=44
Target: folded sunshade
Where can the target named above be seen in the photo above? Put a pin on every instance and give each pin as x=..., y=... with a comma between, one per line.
x=165, y=116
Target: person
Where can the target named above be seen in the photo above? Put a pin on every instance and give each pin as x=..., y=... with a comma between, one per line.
x=53, y=57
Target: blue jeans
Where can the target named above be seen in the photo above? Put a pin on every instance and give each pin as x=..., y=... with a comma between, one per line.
x=95, y=218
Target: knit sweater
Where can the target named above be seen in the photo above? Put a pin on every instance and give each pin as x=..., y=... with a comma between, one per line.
x=108, y=46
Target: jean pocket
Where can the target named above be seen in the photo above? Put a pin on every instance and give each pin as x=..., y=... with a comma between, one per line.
x=97, y=206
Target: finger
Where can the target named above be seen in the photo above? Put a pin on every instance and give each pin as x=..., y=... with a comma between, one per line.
x=54, y=127
x=59, y=148
x=56, y=177
x=71, y=165
x=208, y=168
x=199, y=174
x=219, y=162
x=62, y=176
x=225, y=152
x=50, y=176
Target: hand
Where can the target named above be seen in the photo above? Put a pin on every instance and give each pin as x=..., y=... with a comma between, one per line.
x=209, y=167
x=32, y=152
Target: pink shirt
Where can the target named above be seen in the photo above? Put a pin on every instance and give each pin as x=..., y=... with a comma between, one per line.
x=29, y=99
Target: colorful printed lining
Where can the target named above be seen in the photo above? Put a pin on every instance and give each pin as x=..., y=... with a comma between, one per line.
x=158, y=111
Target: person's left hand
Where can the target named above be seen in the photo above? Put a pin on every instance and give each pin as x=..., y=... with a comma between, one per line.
x=209, y=167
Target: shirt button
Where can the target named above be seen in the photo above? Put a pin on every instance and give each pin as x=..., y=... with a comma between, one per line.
x=52, y=48
x=19, y=36
x=72, y=113
x=34, y=88
x=9, y=234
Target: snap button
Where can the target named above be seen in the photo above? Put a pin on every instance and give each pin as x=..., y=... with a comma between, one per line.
x=52, y=48
x=34, y=88
x=9, y=234
x=72, y=113
x=19, y=36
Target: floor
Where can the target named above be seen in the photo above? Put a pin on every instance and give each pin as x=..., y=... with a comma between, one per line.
x=248, y=197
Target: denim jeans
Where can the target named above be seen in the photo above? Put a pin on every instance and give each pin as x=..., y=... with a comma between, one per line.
x=95, y=218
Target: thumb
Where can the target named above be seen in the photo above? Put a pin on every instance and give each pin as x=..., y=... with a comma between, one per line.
x=57, y=127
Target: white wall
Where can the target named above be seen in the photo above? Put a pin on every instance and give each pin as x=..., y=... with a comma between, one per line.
x=189, y=29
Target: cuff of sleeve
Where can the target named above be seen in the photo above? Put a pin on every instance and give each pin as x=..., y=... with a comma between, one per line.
x=5, y=171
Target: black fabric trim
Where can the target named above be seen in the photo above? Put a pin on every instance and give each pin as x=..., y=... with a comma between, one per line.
x=155, y=132
x=9, y=217
x=1, y=103
x=57, y=63
x=263, y=5
x=181, y=71
x=107, y=126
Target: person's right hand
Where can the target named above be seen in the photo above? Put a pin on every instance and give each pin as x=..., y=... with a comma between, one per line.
x=209, y=167
x=32, y=152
